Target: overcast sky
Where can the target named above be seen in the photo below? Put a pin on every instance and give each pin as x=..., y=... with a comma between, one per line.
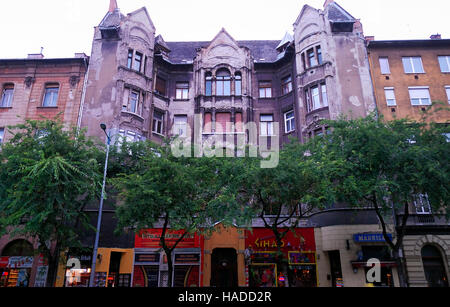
x=64, y=27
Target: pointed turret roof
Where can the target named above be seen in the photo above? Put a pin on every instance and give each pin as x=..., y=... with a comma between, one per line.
x=287, y=39
x=113, y=18
x=112, y=6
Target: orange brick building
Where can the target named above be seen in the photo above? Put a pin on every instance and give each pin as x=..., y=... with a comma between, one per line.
x=36, y=87
x=410, y=76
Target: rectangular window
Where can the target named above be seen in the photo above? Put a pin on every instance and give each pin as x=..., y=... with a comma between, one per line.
x=266, y=125
x=311, y=56
x=208, y=85
x=137, y=62
x=160, y=86
x=289, y=121
x=51, y=95
x=324, y=95
x=7, y=96
x=315, y=97
x=444, y=63
x=413, y=65
x=384, y=66
x=238, y=85
x=286, y=85
x=223, y=122
x=319, y=55
x=207, y=123
x=130, y=59
x=422, y=204
x=265, y=89
x=420, y=96
x=132, y=101
x=158, y=122
x=390, y=96
x=182, y=90
x=447, y=89
x=2, y=135
x=180, y=125
x=239, y=123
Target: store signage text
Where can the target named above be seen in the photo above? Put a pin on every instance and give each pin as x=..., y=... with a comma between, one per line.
x=370, y=237
x=20, y=262
x=268, y=243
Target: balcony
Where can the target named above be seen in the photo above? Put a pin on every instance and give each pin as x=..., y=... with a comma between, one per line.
x=433, y=220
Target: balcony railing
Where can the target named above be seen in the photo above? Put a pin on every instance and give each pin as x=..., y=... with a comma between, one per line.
x=424, y=220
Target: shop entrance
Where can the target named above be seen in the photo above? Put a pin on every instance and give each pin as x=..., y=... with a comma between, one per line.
x=224, y=268
x=335, y=268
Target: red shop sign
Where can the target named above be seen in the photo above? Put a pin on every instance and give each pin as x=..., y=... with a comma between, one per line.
x=262, y=239
x=4, y=262
x=150, y=238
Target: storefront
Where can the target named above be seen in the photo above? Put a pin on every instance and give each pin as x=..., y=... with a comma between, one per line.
x=151, y=265
x=15, y=271
x=299, y=251
x=78, y=270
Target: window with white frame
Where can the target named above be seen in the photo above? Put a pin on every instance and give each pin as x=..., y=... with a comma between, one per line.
x=2, y=135
x=158, y=122
x=447, y=90
x=128, y=136
x=422, y=204
x=132, y=101
x=413, y=65
x=384, y=66
x=51, y=95
x=390, y=96
x=444, y=63
x=266, y=125
x=289, y=121
x=7, y=96
x=180, y=125
x=420, y=96
x=182, y=90
x=316, y=97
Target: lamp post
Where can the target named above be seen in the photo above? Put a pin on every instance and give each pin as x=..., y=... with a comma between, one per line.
x=100, y=211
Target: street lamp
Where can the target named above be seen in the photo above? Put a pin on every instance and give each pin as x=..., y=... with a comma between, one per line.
x=100, y=210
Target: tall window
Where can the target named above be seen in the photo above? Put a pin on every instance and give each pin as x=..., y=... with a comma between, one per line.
x=444, y=63
x=238, y=84
x=311, y=56
x=422, y=204
x=223, y=83
x=286, y=85
x=316, y=97
x=132, y=101
x=265, y=89
x=207, y=123
x=158, y=122
x=289, y=121
x=208, y=84
x=137, y=65
x=7, y=96
x=384, y=66
x=447, y=90
x=420, y=96
x=51, y=95
x=390, y=96
x=182, y=90
x=180, y=125
x=160, y=86
x=2, y=135
x=319, y=55
x=266, y=125
x=413, y=65
x=130, y=59
x=239, y=122
x=434, y=267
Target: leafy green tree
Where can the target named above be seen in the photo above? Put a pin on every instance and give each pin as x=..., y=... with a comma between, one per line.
x=385, y=165
x=176, y=194
x=47, y=177
x=281, y=197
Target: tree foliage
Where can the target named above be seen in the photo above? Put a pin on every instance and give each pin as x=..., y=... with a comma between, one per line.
x=47, y=176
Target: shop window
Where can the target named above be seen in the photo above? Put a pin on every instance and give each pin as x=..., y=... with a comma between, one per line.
x=158, y=122
x=265, y=89
x=223, y=83
x=7, y=96
x=286, y=85
x=386, y=281
x=434, y=268
x=160, y=86
x=182, y=90
x=51, y=95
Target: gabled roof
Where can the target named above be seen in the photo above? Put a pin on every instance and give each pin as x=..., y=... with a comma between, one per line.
x=337, y=14
x=305, y=7
x=287, y=39
x=263, y=51
x=143, y=10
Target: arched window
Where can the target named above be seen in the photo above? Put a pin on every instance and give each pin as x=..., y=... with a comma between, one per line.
x=18, y=248
x=434, y=267
x=223, y=83
x=208, y=84
x=238, y=84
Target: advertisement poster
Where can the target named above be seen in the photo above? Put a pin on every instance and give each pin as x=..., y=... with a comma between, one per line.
x=41, y=277
x=263, y=275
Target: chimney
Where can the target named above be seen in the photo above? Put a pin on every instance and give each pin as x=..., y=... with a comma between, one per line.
x=369, y=38
x=327, y=2
x=112, y=6
x=436, y=36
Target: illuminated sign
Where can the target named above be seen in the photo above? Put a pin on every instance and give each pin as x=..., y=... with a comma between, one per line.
x=370, y=237
x=151, y=238
x=187, y=258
